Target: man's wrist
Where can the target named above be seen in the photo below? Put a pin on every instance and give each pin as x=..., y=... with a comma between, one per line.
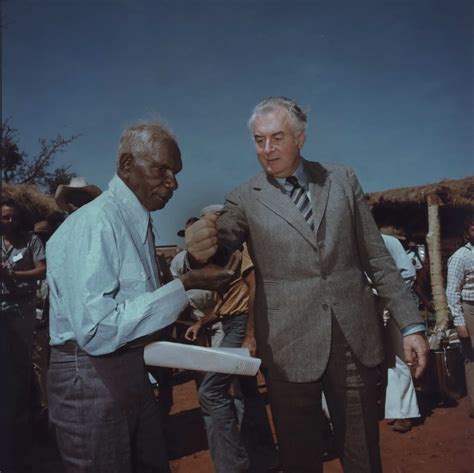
x=191, y=263
x=413, y=328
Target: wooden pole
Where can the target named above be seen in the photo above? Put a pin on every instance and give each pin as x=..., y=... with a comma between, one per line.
x=433, y=239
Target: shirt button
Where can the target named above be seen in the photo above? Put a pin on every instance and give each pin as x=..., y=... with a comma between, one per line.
x=325, y=307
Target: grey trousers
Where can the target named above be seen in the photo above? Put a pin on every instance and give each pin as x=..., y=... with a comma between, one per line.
x=104, y=413
x=226, y=445
x=351, y=393
x=238, y=430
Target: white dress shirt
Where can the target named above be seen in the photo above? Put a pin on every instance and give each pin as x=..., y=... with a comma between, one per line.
x=104, y=288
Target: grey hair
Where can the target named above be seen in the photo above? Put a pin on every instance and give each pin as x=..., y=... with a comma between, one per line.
x=141, y=138
x=296, y=116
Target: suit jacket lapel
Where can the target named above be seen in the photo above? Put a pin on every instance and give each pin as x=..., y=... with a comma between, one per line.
x=270, y=194
x=319, y=184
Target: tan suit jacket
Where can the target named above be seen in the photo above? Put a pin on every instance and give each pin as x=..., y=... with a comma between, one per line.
x=303, y=276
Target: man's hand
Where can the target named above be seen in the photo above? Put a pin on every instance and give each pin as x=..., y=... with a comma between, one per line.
x=211, y=277
x=201, y=238
x=193, y=331
x=250, y=343
x=466, y=342
x=415, y=348
x=462, y=331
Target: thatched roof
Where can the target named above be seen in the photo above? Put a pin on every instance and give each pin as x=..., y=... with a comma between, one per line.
x=453, y=193
x=38, y=204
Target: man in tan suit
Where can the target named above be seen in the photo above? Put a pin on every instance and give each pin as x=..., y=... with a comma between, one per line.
x=312, y=238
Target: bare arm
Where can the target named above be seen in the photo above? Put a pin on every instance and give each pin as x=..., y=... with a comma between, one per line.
x=249, y=340
x=38, y=272
x=193, y=331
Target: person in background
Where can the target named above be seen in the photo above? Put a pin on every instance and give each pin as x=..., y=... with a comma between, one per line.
x=415, y=252
x=105, y=297
x=401, y=403
x=77, y=193
x=43, y=231
x=23, y=264
x=201, y=302
x=238, y=430
x=460, y=295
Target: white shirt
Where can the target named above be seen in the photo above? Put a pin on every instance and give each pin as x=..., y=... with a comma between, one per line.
x=201, y=301
x=104, y=288
x=460, y=285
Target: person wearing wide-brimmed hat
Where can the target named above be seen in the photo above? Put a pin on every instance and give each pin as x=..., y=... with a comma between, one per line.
x=76, y=194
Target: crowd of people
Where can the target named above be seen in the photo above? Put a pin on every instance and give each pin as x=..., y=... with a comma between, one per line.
x=292, y=267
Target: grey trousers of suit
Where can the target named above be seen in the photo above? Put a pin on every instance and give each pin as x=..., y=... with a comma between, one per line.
x=351, y=393
x=104, y=413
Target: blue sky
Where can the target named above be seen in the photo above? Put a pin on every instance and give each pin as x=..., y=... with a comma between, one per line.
x=388, y=85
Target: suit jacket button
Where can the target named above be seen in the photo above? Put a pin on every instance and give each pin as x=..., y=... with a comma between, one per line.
x=324, y=277
x=325, y=306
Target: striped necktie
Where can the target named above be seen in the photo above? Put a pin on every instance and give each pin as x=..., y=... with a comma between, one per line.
x=300, y=198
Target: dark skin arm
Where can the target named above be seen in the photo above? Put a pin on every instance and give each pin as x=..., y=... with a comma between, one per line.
x=39, y=272
x=211, y=277
x=249, y=340
x=419, y=287
x=193, y=331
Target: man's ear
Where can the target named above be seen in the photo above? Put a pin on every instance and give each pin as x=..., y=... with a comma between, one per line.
x=300, y=140
x=125, y=163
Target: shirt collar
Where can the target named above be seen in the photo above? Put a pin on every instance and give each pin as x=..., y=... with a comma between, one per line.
x=137, y=215
x=468, y=245
x=300, y=174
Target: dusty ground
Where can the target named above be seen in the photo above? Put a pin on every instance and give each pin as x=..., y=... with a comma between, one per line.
x=441, y=443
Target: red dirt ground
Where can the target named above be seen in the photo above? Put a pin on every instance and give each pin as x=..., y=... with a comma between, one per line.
x=442, y=442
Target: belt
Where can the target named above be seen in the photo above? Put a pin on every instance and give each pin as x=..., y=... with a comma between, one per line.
x=71, y=346
x=229, y=316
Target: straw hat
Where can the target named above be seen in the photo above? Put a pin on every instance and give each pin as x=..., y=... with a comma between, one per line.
x=77, y=183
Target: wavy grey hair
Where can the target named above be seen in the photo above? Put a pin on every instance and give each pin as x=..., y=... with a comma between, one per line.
x=296, y=116
x=142, y=138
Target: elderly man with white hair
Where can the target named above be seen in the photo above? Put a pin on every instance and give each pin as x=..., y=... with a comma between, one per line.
x=312, y=238
x=105, y=296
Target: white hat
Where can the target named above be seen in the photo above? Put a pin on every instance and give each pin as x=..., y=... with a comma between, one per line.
x=211, y=209
x=77, y=183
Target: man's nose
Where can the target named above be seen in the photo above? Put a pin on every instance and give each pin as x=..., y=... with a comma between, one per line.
x=268, y=146
x=171, y=180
